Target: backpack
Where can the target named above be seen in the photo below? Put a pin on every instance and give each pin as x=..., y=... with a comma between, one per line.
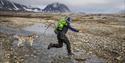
x=61, y=23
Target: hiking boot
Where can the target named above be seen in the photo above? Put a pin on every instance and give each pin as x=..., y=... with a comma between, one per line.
x=49, y=46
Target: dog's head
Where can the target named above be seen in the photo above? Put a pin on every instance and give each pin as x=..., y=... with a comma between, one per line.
x=16, y=37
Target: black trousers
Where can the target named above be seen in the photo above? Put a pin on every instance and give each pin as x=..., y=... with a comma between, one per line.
x=62, y=38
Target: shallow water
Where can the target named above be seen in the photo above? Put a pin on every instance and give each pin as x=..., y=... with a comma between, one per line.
x=40, y=28
x=51, y=38
x=38, y=53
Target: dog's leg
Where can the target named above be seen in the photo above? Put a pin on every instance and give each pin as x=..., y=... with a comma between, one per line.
x=19, y=42
x=31, y=42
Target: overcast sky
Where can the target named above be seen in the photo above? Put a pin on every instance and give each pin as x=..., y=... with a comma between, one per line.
x=81, y=5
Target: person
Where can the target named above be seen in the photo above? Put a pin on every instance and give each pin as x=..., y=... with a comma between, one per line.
x=61, y=29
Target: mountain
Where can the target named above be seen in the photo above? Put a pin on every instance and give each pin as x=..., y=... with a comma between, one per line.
x=8, y=5
x=56, y=7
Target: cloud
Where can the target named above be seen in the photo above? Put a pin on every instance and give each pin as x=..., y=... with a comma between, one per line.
x=73, y=2
x=86, y=2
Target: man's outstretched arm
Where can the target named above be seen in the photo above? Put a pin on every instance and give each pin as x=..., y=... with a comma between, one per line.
x=73, y=29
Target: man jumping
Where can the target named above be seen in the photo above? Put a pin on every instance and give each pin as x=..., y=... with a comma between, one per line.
x=61, y=29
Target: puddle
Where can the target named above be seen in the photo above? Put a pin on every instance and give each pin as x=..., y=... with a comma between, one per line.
x=40, y=28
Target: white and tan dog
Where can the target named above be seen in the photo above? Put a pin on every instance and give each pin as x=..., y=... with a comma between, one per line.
x=21, y=39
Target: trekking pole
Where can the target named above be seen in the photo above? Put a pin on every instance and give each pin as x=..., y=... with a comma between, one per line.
x=48, y=27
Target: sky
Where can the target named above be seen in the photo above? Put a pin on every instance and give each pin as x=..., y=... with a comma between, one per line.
x=80, y=5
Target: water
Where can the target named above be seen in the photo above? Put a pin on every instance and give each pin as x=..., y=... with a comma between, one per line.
x=51, y=38
x=38, y=53
x=40, y=28
x=13, y=31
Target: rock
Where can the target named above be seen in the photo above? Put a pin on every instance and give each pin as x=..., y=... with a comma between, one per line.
x=118, y=58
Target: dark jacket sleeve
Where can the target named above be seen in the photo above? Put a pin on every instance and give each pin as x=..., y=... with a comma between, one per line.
x=73, y=29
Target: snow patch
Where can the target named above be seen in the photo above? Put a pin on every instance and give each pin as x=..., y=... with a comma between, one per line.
x=9, y=8
x=28, y=9
x=15, y=6
x=2, y=2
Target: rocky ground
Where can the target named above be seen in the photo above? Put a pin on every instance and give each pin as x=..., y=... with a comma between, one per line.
x=102, y=39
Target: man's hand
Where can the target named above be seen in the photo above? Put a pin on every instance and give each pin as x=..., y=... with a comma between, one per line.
x=80, y=31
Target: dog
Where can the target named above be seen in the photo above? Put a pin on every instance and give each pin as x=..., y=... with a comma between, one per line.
x=21, y=39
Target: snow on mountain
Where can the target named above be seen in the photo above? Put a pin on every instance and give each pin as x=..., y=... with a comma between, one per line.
x=9, y=5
